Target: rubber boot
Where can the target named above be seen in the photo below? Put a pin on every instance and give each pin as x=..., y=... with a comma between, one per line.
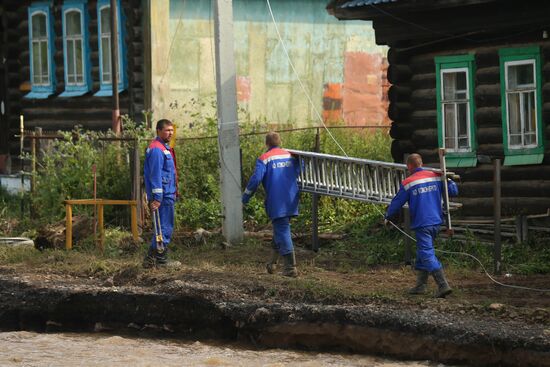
x=421, y=283
x=271, y=266
x=150, y=260
x=164, y=262
x=443, y=288
x=290, y=265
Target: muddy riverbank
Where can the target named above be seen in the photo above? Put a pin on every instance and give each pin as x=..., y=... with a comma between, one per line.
x=191, y=306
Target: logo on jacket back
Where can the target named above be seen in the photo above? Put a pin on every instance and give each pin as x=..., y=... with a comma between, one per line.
x=425, y=189
x=281, y=164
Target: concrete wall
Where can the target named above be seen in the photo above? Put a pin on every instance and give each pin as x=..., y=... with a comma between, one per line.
x=339, y=63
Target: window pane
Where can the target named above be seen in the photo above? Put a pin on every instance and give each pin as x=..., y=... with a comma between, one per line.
x=462, y=122
x=530, y=118
x=105, y=15
x=530, y=113
x=73, y=23
x=521, y=76
x=450, y=125
x=44, y=62
x=454, y=85
x=78, y=55
x=37, y=72
x=514, y=118
x=70, y=61
x=39, y=26
x=106, y=59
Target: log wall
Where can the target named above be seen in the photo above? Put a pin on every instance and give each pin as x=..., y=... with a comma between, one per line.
x=525, y=189
x=57, y=113
x=419, y=31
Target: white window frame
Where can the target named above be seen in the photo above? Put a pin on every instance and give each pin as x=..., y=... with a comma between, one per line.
x=67, y=38
x=520, y=90
x=101, y=36
x=39, y=41
x=455, y=102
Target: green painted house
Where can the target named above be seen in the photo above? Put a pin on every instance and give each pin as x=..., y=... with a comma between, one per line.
x=339, y=62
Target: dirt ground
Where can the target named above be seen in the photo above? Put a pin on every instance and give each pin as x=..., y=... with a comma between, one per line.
x=239, y=273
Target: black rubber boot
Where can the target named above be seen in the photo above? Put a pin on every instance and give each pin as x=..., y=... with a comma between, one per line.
x=271, y=266
x=162, y=258
x=164, y=262
x=421, y=283
x=150, y=260
x=290, y=265
x=443, y=288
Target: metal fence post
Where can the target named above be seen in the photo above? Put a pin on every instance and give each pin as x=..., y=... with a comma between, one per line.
x=407, y=224
x=100, y=225
x=497, y=250
x=315, y=205
x=408, y=242
x=136, y=181
x=68, y=226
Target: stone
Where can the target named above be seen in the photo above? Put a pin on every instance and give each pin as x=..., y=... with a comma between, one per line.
x=495, y=306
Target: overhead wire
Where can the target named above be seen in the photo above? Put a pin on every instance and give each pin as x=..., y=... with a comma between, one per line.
x=306, y=92
x=172, y=41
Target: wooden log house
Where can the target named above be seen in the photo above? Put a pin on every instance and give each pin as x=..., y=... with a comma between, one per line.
x=55, y=65
x=472, y=76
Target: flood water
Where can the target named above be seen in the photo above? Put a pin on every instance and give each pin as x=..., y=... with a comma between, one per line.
x=69, y=349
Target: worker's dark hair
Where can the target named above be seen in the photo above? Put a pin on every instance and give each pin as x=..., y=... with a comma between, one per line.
x=414, y=160
x=162, y=123
x=272, y=139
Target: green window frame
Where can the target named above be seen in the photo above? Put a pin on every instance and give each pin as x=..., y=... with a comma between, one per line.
x=456, y=130
x=521, y=105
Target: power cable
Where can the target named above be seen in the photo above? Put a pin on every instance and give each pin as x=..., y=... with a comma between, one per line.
x=172, y=42
x=300, y=80
x=468, y=255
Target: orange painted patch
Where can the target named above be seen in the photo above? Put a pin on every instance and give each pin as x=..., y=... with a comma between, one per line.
x=332, y=102
x=244, y=90
x=365, y=89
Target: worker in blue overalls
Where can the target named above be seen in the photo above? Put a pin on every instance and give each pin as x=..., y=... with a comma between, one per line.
x=160, y=176
x=278, y=172
x=423, y=190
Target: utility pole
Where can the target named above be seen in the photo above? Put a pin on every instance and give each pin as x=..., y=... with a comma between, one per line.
x=114, y=68
x=228, y=125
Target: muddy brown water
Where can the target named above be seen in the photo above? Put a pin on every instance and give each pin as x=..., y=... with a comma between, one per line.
x=71, y=349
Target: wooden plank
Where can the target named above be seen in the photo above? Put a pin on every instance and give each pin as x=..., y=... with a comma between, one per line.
x=100, y=202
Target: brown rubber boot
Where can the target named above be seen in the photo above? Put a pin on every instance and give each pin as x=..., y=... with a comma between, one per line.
x=421, y=283
x=290, y=265
x=271, y=266
x=443, y=288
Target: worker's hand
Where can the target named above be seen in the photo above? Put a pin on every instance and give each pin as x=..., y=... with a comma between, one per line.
x=154, y=205
x=386, y=222
x=245, y=199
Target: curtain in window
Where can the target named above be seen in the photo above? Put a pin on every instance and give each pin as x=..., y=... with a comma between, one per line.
x=74, y=47
x=455, y=110
x=40, y=50
x=105, y=29
x=522, y=120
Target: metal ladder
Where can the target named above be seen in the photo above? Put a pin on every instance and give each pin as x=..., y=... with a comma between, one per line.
x=351, y=178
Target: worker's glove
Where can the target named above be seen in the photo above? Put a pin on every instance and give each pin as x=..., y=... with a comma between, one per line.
x=245, y=199
x=386, y=222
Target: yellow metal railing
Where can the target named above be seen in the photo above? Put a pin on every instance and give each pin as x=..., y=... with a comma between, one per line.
x=100, y=203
